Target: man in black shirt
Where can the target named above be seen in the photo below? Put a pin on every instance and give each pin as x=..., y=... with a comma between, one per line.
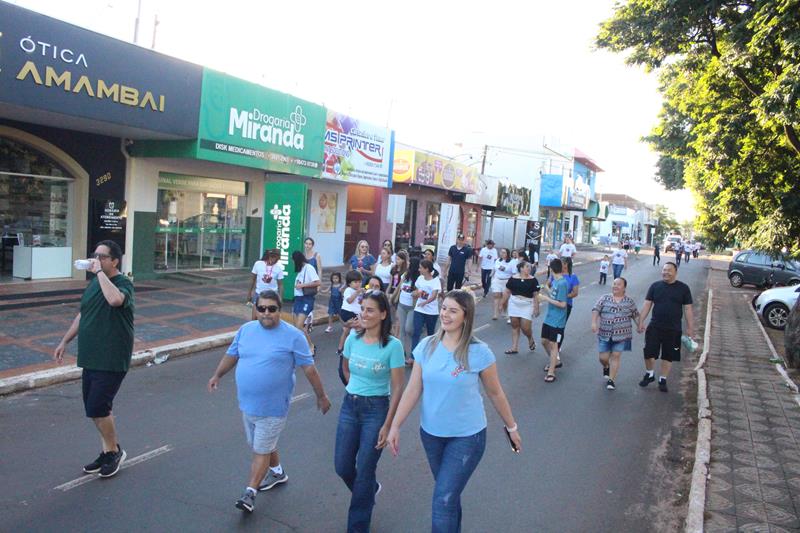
x=670, y=300
x=457, y=263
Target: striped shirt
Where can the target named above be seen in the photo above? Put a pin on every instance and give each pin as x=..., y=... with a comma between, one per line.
x=615, y=317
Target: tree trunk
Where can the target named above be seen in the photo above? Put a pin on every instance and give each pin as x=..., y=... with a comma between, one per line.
x=791, y=337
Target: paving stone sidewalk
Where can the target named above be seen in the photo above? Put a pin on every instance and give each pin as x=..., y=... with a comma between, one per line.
x=754, y=482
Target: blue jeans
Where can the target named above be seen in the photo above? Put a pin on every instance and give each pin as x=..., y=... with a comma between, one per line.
x=421, y=319
x=617, y=270
x=452, y=461
x=356, y=458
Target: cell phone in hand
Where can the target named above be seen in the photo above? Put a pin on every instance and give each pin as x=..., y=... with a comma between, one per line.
x=513, y=446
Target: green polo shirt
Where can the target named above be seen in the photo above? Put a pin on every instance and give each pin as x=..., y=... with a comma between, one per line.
x=105, y=333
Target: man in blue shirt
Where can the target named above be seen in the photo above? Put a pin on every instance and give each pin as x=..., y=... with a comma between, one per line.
x=556, y=318
x=458, y=255
x=265, y=353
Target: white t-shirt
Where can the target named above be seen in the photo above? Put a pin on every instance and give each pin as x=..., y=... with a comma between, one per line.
x=406, y=290
x=426, y=288
x=619, y=256
x=514, y=263
x=307, y=274
x=384, y=272
x=503, y=270
x=354, y=307
x=267, y=276
x=488, y=256
x=437, y=268
x=604, y=267
x=567, y=250
x=550, y=257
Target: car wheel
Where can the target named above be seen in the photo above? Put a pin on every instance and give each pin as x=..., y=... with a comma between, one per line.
x=736, y=279
x=793, y=282
x=776, y=314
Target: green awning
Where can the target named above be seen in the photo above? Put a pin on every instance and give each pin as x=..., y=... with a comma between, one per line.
x=593, y=211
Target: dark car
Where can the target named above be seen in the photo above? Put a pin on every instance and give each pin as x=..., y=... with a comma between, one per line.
x=752, y=267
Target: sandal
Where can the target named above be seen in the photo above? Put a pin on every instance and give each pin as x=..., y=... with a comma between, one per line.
x=558, y=365
x=511, y=352
x=549, y=378
x=494, y=318
x=532, y=344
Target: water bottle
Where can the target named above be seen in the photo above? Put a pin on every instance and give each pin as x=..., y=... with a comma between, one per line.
x=689, y=343
x=83, y=264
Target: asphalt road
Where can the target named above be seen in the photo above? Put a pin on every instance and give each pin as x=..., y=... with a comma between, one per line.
x=587, y=462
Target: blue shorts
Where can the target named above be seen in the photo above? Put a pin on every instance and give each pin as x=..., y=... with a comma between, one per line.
x=303, y=305
x=613, y=346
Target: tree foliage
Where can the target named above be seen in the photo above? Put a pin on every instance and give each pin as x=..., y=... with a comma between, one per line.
x=728, y=128
x=666, y=222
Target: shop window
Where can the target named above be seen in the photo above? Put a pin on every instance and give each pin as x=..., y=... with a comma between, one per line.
x=405, y=235
x=432, y=214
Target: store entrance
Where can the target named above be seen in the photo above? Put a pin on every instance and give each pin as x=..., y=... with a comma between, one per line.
x=200, y=229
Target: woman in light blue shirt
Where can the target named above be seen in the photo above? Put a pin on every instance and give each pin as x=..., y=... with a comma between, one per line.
x=374, y=369
x=449, y=368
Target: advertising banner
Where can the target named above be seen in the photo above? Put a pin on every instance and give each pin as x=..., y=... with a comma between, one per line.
x=284, y=223
x=552, y=189
x=431, y=170
x=448, y=227
x=47, y=64
x=577, y=193
x=242, y=123
x=403, y=167
x=514, y=200
x=487, y=191
x=357, y=152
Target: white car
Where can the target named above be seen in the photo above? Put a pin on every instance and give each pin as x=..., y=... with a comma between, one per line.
x=774, y=305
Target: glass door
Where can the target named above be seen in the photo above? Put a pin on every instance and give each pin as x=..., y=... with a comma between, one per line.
x=213, y=230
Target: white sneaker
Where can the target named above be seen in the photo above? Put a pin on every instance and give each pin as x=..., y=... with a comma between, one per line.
x=328, y=329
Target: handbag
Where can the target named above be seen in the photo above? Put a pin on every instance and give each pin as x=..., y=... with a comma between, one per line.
x=309, y=291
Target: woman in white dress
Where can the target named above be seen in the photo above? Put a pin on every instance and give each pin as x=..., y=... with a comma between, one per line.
x=503, y=270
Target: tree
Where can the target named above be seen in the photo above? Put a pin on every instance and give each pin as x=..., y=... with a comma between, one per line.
x=666, y=222
x=728, y=128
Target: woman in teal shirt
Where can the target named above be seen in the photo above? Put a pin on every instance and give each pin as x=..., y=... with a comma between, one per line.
x=449, y=368
x=374, y=368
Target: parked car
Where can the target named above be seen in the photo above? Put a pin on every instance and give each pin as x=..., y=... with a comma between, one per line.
x=774, y=305
x=670, y=241
x=752, y=267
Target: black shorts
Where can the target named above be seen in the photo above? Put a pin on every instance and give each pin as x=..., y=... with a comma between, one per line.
x=663, y=342
x=552, y=334
x=346, y=315
x=99, y=389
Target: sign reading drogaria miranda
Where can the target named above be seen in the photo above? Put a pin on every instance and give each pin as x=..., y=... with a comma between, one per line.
x=284, y=223
x=242, y=123
x=109, y=85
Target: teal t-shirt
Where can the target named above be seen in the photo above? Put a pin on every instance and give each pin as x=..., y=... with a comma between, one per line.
x=557, y=316
x=371, y=365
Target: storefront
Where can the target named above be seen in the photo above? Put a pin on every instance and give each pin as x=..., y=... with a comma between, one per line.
x=562, y=203
x=68, y=98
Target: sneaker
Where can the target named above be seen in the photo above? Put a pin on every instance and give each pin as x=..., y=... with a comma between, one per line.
x=94, y=466
x=605, y=371
x=247, y=502
x=610, y=385
x=328, y=329
x=113, y=462
x=272, y=479
x=662, y=385
x=508, y=320
x=647, y=380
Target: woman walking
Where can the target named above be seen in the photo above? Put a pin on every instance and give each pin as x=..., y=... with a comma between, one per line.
x=523, y=305
x=373, y=366
x=426, y=312
x=312, y=257
x=383, y=268
x=503, y=270
x=405, y=299
x=361, y=261
x=396, y=276
x=611, y=322
x=449, y=368
x=306, y=285
x=388, y=245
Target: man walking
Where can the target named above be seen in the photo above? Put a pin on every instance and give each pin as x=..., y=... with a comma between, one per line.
x=458, y=255
x=556, y=318
x=678, y=248
x=619, y=260
x=488, y=256
x=104, y=327
x=265, y=353
x=656, y=254
x=670, y=300
x=567, y=253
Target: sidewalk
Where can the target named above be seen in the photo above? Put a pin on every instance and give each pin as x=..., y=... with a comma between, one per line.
x=754, y=474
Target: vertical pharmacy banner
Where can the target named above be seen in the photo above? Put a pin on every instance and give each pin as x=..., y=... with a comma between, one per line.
x=448, y=227
x=284, y=221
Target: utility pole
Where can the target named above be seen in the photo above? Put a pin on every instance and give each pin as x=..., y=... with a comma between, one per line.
x=483, y=160
x=136, y=25
x=155, y=29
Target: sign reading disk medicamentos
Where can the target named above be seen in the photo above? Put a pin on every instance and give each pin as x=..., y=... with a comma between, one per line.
x=357, y=152
x=242, y=123
x=284, y=224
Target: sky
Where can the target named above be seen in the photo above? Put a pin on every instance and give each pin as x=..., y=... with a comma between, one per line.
x=448, y=76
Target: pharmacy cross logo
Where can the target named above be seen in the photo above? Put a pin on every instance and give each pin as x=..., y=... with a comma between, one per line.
x=298, y=118
x=275, y=212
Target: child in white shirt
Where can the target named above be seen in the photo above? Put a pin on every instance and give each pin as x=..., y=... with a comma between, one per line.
x=604, y=270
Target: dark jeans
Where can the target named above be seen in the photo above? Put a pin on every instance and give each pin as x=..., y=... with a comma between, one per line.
x=356, y=458
x=603, y=278
x=687, y=255
x=563, y=334
x=486, y=280
x=656, y=259
x=420, y=319
x=678, y=259
x=617, y=270
x=454, y=280
x=452, y=461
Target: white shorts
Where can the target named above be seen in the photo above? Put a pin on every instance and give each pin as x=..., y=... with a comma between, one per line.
x=262, y=432
x=520, y=307
x=499, y=285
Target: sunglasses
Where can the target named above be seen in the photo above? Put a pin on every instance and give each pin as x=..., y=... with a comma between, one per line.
x=265, y=308
x=100, y=256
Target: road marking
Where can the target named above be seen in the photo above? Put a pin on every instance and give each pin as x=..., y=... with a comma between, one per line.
x=479, y=328
x=300, y=397
x=127, y=464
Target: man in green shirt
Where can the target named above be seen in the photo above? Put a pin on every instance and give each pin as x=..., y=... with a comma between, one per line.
x=104, y=327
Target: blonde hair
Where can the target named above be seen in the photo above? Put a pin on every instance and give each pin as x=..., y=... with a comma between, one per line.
x=467, y=304
x=358, y=247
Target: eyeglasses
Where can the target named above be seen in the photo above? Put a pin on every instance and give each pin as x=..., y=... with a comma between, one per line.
x=100, y=256
x=265, y=308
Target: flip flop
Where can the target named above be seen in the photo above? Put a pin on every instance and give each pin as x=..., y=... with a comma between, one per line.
x=549, y=378
x=494, y=318
x=558, y=365
x=511, y=352
x=532, y=344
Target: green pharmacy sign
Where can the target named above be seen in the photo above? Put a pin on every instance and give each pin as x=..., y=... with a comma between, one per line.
x=284, y=223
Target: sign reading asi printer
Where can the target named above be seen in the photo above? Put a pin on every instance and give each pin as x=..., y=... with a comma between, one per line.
x=242, y=123
x=357, y=152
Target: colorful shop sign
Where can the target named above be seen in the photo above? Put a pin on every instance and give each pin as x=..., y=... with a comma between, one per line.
x=514, y=200
x=357, y=152
x=403, y=166
x=242, y=123
x=284, y=223
x=431, y=170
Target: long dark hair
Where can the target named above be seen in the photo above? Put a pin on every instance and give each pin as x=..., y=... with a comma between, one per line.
x=413, y=270
x=429, y=265
x=396, y=269
x=386, y=324
x=508, y=255
x=299, y=259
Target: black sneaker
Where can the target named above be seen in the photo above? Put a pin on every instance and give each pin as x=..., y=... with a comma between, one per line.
x=647, y=380
x=605, y=371
x=114, y=461
x=94, y=466
x=610, y=384
x=662, y=385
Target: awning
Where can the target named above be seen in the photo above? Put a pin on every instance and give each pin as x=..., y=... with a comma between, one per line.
x=620, y=224
x=593, y=211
